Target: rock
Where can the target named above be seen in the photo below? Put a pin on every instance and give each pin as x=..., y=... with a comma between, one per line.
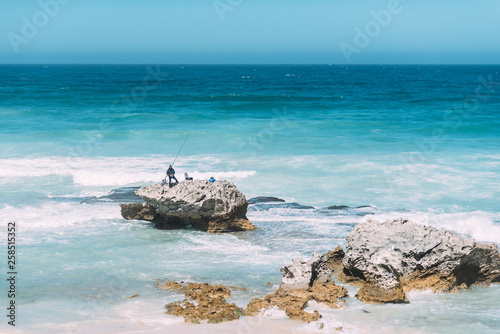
x=138, y=211
x=345, y=207
x=371, y=293
x=399, y=254
x=334, y=259
x=264, y=199
x=122, y=195
x=338, y=207
x=292, y=305
x=302, y=274
x=328, y=293
x=268, y=206
x=212, y=207
x=303, y=281
x=210, y=302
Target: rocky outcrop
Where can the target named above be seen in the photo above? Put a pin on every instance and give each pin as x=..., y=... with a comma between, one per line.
x=264, y=199
x=209, y=302
x=213, y=207
x=346, y=207
x=338, y=207
x=301, y=274
x=292, y=305
x=399, y=255
x=138, y=211
x=334, y=259
x=302, y=281
x=371, y=293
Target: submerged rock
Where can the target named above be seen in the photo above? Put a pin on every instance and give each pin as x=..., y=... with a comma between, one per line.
x=399, y=255
x=268, y=206
x=338, y=207
x=264, y=199
x=212, y=207
x=121, y=195
x=209, y=302
x=346, y=207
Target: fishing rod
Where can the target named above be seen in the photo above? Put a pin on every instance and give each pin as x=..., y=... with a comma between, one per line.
x=180, y=149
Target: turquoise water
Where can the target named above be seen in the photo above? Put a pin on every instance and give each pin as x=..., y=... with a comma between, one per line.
x=415, y=141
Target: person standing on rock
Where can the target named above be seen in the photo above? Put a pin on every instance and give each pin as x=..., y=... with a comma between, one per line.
x=171, y=175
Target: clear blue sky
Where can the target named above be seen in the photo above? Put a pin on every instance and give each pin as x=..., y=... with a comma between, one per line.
x=249, y=31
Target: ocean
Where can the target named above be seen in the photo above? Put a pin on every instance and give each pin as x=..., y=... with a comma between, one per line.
x=421, y=142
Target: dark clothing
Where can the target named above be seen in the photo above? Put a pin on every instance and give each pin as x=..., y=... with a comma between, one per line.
x=171, y=175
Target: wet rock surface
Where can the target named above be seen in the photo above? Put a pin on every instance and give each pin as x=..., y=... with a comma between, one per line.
x=264, y=199
x=121, y=195
x=303, y=281
x=208, y=302
x=268, y=206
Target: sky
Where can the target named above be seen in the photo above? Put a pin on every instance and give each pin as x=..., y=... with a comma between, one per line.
x=250, y=31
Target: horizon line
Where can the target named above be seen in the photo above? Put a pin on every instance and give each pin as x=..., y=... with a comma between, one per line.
x=259, y=64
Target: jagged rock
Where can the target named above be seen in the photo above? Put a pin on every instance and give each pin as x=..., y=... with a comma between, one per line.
x=334, y=259
x=328, y=293
x=210, y=302
x=213, y=207
x=138, y=211
x=214, y=311
x=401, y=254
x=264, y=199
x=303, y=281
x=292, y=305
x=301, y=274
x=371, y=293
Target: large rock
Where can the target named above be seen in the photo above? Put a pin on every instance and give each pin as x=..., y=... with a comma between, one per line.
x=400, y=255
x=213, y=207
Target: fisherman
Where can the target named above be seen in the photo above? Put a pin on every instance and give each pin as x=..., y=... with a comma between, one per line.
x=171, y=175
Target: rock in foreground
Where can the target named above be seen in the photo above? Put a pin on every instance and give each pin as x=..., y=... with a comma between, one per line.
x=209, y=302
x=399, y=255
x=212, y=207
x=302, y=281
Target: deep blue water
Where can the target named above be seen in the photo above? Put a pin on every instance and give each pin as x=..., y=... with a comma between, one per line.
x=416, y=141
x=386, y=108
